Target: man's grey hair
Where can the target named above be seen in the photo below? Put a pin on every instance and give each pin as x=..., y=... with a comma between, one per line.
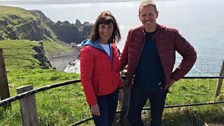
x=146, y=3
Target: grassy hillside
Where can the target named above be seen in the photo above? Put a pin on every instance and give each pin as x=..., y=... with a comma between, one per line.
x=8, y=12
x=66, y=105
x=55, y=106
x=18, y=23
x=19, y=53
x=19, y=56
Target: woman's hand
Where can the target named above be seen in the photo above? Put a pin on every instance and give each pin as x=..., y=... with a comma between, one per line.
x=95, y=109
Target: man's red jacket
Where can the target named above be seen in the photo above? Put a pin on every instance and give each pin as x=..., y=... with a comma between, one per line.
x=168, y=42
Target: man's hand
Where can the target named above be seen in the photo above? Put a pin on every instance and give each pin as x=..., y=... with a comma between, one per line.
x=167, y=86
x=120, y=95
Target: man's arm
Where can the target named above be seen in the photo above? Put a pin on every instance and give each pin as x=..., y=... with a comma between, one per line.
x=189, y=55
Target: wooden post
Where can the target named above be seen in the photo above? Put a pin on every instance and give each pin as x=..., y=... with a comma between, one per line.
x=125, y=104
x=219, y=87
x=4, y=88
x=28, y=107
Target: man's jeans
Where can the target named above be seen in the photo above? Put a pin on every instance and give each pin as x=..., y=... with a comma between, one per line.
x=138, y=99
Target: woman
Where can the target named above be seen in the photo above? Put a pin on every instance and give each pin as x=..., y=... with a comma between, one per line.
x=99, y=66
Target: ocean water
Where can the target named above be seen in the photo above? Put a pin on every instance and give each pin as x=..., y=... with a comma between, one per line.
x=199, y=21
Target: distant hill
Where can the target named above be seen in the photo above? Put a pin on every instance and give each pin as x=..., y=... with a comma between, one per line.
x=18, y=23
x=58, y=1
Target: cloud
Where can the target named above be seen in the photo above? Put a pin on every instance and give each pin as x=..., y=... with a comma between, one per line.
x=58, y=1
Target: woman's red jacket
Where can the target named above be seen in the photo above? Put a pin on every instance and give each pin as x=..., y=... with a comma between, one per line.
x=100, y=75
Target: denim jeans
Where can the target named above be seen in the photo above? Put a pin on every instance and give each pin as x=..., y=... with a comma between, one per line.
x=138, y=99
x=107, y=105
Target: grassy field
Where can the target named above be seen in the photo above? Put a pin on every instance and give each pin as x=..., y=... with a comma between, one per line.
x=7, y=11
x=66, y=105
x=56, y=106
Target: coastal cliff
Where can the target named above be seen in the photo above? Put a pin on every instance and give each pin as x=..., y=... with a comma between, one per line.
x=18, y=23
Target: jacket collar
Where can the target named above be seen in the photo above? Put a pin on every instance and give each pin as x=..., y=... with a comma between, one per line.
x=156, y=34
x=96, y=44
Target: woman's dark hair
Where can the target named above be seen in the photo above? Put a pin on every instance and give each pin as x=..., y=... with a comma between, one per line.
x=105, y=18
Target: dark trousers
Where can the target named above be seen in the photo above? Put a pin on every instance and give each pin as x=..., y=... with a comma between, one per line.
x=107, y=105
x=138, y=99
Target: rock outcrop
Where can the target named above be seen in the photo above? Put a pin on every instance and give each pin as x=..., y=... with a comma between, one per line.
x=40, y=55
x=34, y=25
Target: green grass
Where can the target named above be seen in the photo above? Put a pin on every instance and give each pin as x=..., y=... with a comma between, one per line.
x=66, y=105
x=58, y=106
x=16, y=23
x=8, y=12
x=19, y=54
x=189, y=92
x=52, y=47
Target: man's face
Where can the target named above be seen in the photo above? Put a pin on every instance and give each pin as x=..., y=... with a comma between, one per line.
x=148, y=16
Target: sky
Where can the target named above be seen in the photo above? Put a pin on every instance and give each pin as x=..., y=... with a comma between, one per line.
x=57, y=1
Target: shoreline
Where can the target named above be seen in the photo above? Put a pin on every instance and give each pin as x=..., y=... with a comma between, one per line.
x=60, y=62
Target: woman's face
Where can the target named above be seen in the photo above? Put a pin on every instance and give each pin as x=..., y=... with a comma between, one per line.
x=105, y=32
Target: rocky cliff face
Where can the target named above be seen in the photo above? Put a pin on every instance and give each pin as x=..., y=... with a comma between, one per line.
x=84, y=29
x=40, y=55
x=37, y=27
x=15, y=27
x=68, y=32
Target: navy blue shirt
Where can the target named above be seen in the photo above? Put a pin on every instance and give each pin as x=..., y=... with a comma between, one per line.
x=149, y=72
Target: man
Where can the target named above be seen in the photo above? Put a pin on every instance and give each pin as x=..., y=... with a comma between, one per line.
x=149, y=52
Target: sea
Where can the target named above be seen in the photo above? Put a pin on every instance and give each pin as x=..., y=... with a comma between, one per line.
x=199, y=21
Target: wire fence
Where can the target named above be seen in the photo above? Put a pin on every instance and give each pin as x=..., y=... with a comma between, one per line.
x=34, y=91
x=203, y=76
x=197, y=84
x=69, y=62
x=200, y=85
x=148, y=108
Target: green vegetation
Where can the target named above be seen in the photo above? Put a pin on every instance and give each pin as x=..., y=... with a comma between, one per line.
x=18, y=23
x=56, y=106
x=6, y=12
x=189, y=92
x=66, y=105
x=60, y=106
x=53, y=48
x=18, y=53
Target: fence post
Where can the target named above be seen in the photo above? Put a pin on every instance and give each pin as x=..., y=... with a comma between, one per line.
x=4, y=88
x=125, y=104
x=28, y=107
x=220, y=81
